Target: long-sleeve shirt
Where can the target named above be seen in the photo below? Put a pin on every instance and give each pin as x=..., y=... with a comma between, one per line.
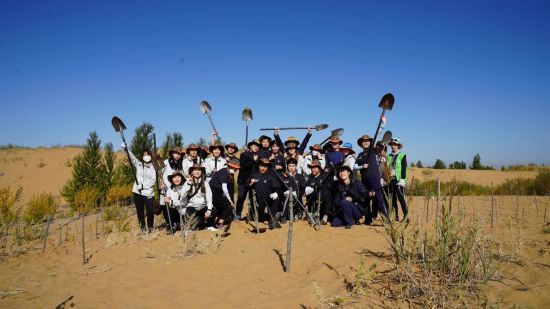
x=188, y=162
x=370, y=177
x=300, y=149
x=308, y=159
x=297, y=182
x=146, y=177
x=354, y=189
x=267, y=184
x=222, y=185
x=213, y=164
x=197, y=198
x=248, y=166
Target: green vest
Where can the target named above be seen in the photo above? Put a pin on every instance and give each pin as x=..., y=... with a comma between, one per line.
x=398, y=166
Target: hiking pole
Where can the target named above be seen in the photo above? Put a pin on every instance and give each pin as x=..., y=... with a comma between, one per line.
x=318, y=127
x=290, y=226
x=119, y=126
x=247, y=116
x=206, y=109
x=255, y=205
x=336, y=132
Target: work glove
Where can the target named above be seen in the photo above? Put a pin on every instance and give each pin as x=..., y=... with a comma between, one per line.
x=123, y=145
x=382, y=182
x=402, y=183
x=287, y=192
x=274, y=195
x=207, y=214
x=309, y=190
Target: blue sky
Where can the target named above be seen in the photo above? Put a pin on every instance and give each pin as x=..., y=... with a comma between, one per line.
x=468, y=76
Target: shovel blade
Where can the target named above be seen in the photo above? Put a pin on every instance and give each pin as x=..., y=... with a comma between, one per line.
x=387, y=138
x=158, y=163
x=118, y=125
x=387, y=101
x=247, y=114
x=337, y=132
x=320, y=127
x=205, y=107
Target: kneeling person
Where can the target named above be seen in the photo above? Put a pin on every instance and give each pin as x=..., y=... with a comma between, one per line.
x=350, y=195
x=223, y=191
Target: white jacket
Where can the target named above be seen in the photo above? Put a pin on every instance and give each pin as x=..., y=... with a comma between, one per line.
x=199, y=200
x=187, y=163
x=146, y=177
x=176, y=196
x=308, y=159
x=212, y=164
x=169, y=171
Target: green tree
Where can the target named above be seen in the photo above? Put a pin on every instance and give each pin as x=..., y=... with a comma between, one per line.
x=413, y=164
x=458, y=165
x=88, y=170
x=476, y=163
x=143, y=139
x=439, y=164
x=172, y=140
x=419, y=164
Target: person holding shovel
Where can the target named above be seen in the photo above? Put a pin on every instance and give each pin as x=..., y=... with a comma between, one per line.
x=265, y=185
x=295, y=181
x=142, y=188
x=397, y=161
x=248, y=162
x=316, y=154
x=173, y=164
x=292, y=142
x=318, y=192
x=174, y=199
x=222, y=193
x=368, y=167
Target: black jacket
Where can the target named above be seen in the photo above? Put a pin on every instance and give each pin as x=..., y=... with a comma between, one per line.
x=370, y=177
x=356, y=190
x=248, y=166
x=296, y=182
x=267, y=184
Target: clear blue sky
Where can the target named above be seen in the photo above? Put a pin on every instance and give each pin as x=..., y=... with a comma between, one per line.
x=468, y=76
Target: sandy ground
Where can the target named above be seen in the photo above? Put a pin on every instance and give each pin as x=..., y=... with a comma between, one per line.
x=476, y=177
x=244, y=269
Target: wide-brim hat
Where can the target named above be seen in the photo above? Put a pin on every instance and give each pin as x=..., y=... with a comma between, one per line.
x=362, y=138
x=232, y=145
x=396, y=141
x=191, y=147
x=233, y=164
x=315, y=163
x=335, y=139
x=264, y=162
x=347, y=146
x=216, y=146
x=170, y=177
x=343, y=168
x=264, y=137
x=175, y=150
x=316, y=147
x=292, y=140
x=254, y=142
x=196, y=167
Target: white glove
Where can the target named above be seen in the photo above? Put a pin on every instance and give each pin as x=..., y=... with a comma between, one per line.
x=123, y=145
x=309, y=190
x=274, y=195
x=382, y=182
x=402, y=183
x=287, y=193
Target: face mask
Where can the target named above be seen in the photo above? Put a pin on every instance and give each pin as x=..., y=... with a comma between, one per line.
x=146, y=159
x=315, y=153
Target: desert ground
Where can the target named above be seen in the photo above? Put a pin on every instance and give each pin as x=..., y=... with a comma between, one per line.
x=245, y=269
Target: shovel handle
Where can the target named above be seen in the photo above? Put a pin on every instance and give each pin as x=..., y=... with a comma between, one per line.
x=289, y=128
x=128, y=156
x=376, y=135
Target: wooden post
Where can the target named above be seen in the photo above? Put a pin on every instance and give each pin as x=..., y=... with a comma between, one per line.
x=46, y=233
x=438, y=197
x=83, y=244
x=290, y=226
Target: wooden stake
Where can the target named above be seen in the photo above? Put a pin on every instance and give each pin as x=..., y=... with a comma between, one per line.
x=83, y=244
x=290, y=226
x=46, y=233
x=438, y=198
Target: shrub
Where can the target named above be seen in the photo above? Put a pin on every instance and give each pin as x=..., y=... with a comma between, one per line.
x=119, y=195
x=8, y=200
x=119, y=216
x=439, y=164
x=542, y=183
x=40, y=207
x=87, y=199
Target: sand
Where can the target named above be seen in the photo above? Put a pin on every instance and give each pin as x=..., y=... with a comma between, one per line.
x=242, y=270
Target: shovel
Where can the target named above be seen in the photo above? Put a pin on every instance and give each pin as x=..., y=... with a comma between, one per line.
x=247, y=116
x=337, y=132
x=206, y=109
x=120, y=127
x=386, y=103
x=318, y=127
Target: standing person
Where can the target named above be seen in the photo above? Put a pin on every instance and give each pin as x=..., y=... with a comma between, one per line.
x=265, y=185
x=173, y=164
x=265, y=146
x=215, y=161
x=349, y=199
x=231, y=151
x=292, y=180
x=174, y=198
x=381, y=157
x=142, y=190
x=248, y=161
x=334, y=156
x=318, y=190
x=276, y=158
x=199, y=197
x=192, y=158
x=349, y=155
x=370, y=175
x=292, y=142
x=223, y=191
x=397, y=161
x=316, y=154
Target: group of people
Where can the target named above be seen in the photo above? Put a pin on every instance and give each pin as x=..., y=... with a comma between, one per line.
x=330, y=184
